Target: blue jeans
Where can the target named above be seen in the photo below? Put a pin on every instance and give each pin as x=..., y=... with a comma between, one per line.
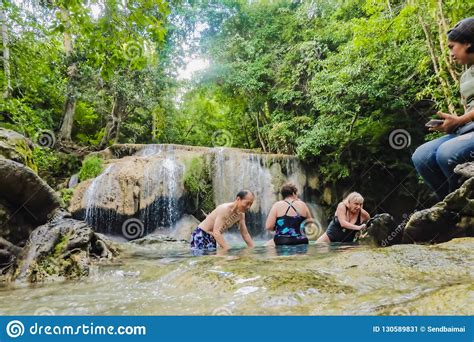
x=435, y=161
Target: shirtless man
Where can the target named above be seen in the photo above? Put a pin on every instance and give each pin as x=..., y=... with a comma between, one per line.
x=209, y=232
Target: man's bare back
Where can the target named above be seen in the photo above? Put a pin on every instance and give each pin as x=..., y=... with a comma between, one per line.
x=225, y=214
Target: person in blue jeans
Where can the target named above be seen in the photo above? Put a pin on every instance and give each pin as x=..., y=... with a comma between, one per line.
x=435, y=160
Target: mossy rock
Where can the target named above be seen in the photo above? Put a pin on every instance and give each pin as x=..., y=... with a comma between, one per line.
x=16, y=147
x=63, y=248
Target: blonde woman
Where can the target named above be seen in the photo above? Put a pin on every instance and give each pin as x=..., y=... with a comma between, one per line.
x=347, y=221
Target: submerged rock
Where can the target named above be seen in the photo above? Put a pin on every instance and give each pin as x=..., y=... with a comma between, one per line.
x=152, y=239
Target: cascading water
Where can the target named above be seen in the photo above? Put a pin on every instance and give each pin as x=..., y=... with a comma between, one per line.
x=152, y=150
x=149, y=186
x=237, y=171
x=165, y=173
x=99, y=190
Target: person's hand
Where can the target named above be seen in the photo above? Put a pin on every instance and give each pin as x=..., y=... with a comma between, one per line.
x=362, y=227
x=451, y=122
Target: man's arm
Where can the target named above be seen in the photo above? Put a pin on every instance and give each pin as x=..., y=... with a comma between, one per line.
x=218, y=229
x=244, y=231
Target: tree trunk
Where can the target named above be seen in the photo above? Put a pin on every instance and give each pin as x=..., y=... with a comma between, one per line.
x=112, y=129
x=353, y=122
x=437, y=65
x=6, y=53
x=260, y=138
x=443, y=32
x=70, y=101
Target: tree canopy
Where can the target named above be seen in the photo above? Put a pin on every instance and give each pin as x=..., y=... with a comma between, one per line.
x=331, y=81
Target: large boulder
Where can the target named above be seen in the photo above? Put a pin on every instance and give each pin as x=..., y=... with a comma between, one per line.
x=451, y=218
x=8, y=254
x=16, y=147
x=184, y=227
x=26, y=201
x=63, y=248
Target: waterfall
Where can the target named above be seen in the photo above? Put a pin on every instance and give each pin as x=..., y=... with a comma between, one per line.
x=151, y=150
x=97, y=192
x=166, y=174
x=148, y=185
x=238, y=171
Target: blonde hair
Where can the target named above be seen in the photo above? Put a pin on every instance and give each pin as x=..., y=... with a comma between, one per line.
x=354, y=197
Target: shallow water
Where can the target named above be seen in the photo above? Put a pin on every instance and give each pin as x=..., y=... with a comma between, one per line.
x=166, y=279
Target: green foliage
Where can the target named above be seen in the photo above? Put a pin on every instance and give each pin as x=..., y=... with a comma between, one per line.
x=327, y=80
x=54, y=166
x=198, y=183
x=66, y=196
x=116, y=53
x=283, y=135
x=91, y=168
x=46, y=159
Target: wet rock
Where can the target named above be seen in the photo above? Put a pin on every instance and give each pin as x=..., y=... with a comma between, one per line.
x=465, y=170
x=185, y=226
x=9, y=247
x=127, y=185
x=8, y=254
x=15, y=224
x=26, y=201
x=152, y=239
x=383, y=231
x=63, y=248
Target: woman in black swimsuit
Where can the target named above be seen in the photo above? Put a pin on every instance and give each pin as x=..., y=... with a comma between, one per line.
x=286, y=217
x=347, y=221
